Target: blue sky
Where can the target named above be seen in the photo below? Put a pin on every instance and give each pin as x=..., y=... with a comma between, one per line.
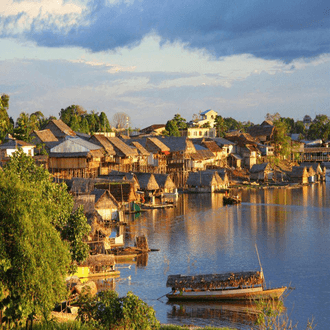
x=153, y=59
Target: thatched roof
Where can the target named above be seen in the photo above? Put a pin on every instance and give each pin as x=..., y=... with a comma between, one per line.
x=213, y=281
x=152, y=128
x=121, y=148
x=147, y=181
x=141, y=150
x=64, y=128
x=45, y=135
x=176, y=144
x=202, y=154
x=202, y=179
x=100, y=260
x=298, y=172
x=81, y=185
x=103, y=142
x=256, y=168
x=316, y=167
x=155, y=145
x=212, y=146
x=99, y=193
x=15, y=144
x=261, y=130
x=164, y=181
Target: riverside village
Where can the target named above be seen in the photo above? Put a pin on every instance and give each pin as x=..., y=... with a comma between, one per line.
x=134, y=185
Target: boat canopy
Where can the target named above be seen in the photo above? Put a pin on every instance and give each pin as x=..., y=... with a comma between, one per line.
x=215, y=281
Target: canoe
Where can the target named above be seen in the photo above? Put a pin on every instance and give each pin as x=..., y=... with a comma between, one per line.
x=228, y=294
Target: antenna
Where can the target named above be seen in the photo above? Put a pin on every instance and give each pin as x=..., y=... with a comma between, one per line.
x=261, y=270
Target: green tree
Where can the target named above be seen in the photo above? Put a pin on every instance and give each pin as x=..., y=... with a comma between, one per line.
x=104, y=123
x=299, y=128
x=181, y=123
x=281, y=139
x=25, y=125
x=40, y=238
x=172, y=128
x=233, y=124
x=320, y=128
x=221, y=126
x=6, y=125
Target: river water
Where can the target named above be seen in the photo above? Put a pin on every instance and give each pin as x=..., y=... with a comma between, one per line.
x=291, y=228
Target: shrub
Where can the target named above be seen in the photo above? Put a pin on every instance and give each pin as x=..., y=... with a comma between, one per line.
x=106, y=310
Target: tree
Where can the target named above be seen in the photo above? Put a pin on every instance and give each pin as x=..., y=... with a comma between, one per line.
x=299, y=128
x=25, y=125
x=281, y=139
x=172, y=128
x=5, y=124
x=232, y=124
x=181, y=123
x=221, y=126
x=120, y=120
x=320, y=128
x=40, y=238
x=104, y=123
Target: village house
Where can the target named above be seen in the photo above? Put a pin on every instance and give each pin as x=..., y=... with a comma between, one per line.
x=126, y=158
x=202, y=159
x=207, y=116
x=246, y=147
x=319, y=172
x=147, y=183
x=155, y=129
x=203, y=181
x=59, y=129
x=165, y=183
x=75, y=157
x=11, y=146
x=261, y=172
x=299, y=174
x=106, y=205
x=264, y=132
x=220, y=153
x=107, y=162
x=199, y=132
x=143, y=154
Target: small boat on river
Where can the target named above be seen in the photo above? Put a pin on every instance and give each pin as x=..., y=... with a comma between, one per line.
x=230, y=199
x=227, y=286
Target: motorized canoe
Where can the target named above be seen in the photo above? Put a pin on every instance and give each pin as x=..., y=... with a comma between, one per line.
x=231, y=200
x=227, y=286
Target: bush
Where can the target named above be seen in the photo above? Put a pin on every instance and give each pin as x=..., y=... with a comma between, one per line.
x=107, y=311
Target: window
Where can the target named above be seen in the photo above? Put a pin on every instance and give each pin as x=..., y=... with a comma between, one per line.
x=200, y=133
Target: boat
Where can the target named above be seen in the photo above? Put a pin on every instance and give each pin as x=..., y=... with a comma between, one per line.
x=99, y=265
x=230, y=199
x=248, y=285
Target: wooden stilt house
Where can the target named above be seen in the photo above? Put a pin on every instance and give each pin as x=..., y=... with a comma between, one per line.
x=203, y=181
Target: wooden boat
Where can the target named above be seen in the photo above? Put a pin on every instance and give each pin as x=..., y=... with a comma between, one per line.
x=99, y=265
x=226, y=286
x=229, y=199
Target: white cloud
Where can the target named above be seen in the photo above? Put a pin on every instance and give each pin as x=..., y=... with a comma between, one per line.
x=33, y=8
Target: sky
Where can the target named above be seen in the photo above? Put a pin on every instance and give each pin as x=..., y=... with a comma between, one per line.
x=153, y=59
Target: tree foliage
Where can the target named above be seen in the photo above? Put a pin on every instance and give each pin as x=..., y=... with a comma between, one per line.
x=282, y=141
x=40, y=238
x=320, y=128
x=108, y=311
x=221, y=126
x=79, y=120
x=6, y=125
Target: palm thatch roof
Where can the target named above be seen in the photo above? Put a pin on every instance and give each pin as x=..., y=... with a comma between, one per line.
x=121, y=148
x=15, y=144
x=256, y=168
x=202, y=154
x=298, y=172
x=64, y=128
x=177, y=144
x=45, y=135
x=155, y=145
x=141, y=150
x=212, y=146
x=316, y=167
x=99, y=193
x=215, y=281
x=103, y=141
x=165, y=181
x=203, y=179
x=81, y=185
x=147, y=181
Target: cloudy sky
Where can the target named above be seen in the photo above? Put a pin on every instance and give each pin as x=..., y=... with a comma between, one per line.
x=152, y=59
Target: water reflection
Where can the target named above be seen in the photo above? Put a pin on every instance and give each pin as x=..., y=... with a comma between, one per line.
x=201, y=235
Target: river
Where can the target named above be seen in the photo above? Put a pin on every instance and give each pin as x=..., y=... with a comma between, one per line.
x=201, y=235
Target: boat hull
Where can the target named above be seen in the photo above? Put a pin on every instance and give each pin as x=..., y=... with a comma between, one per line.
x=225, y=295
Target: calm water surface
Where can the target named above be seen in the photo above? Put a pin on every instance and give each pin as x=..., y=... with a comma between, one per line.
x=201, y=235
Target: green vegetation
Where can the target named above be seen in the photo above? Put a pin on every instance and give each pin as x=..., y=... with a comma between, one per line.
x=41, y=239
x=175, y=125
